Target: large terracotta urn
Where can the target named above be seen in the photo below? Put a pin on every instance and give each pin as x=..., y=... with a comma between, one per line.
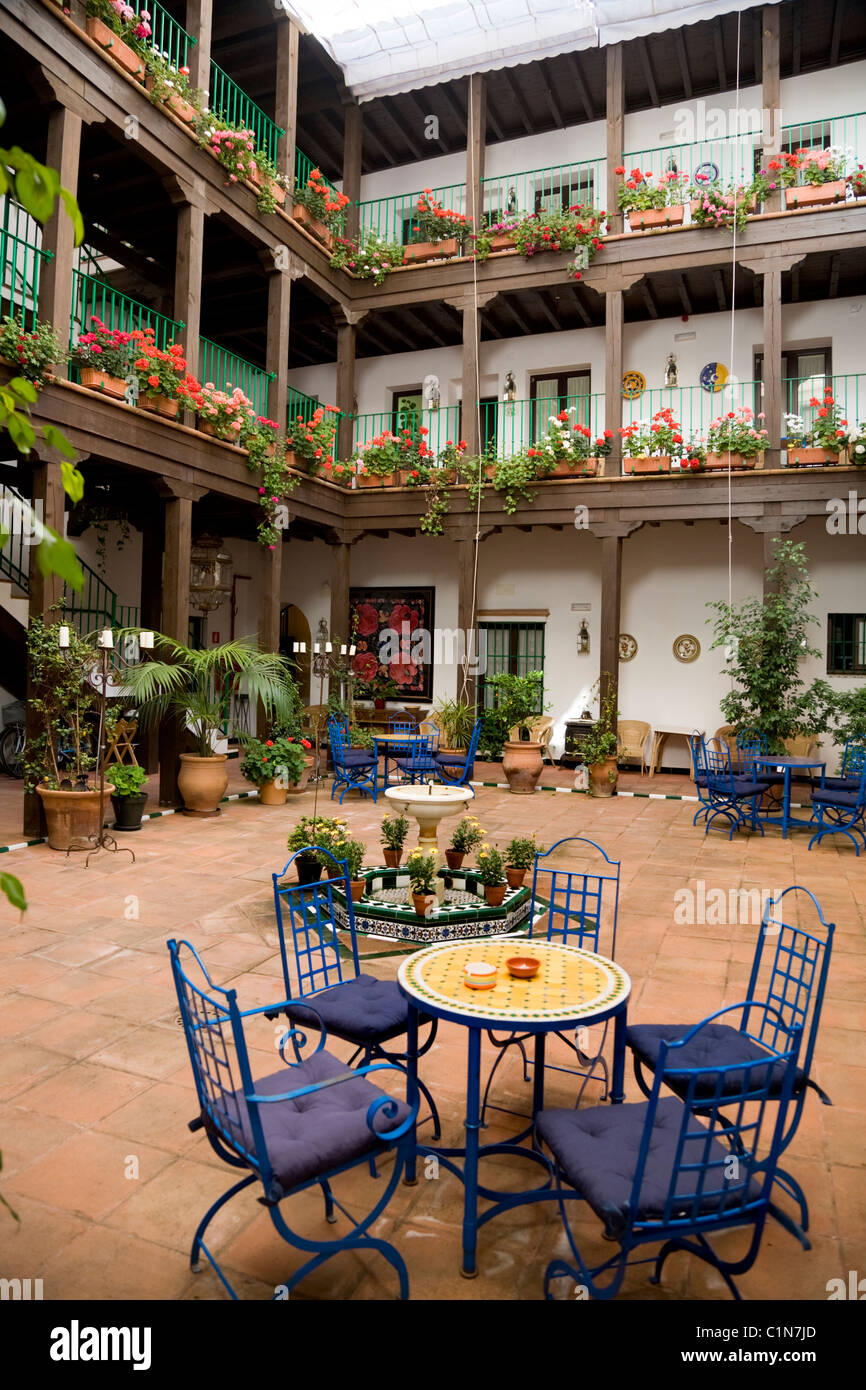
x=202, y=783
x=72, y=815
x=521, y=763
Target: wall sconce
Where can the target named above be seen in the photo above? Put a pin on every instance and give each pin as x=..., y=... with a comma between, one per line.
x=583, y=640
x=509, y=395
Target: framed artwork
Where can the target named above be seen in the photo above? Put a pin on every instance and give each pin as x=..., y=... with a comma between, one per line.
x=393, y=632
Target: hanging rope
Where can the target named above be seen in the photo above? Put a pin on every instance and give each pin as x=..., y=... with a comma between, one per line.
x=733, y=338
x=473, y=170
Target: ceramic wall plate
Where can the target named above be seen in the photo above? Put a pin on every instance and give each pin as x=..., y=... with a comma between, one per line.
x=713, y=376
x=686, y=648
x=627, y=646
x=633, y=385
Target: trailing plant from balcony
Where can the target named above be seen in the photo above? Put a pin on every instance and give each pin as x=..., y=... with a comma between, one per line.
x=735, y=433
x=371, y=261
x=158, y=373
x=513, y=476
x=31, y=354
x=104, y=349
x=322, y=201
x=226, y=412
x=271, y=184
x=766, y=638
x=167, y=81
x=438, y=500
x=433, y=222
x=661, y=435
x=576, y=228
x=232, y=145
x=312, y=439
x=722, y=207
x=644, y=192
x=100, y=519
x=827, y=431
x=473, y=472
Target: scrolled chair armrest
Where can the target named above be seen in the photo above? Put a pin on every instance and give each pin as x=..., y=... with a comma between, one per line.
x=386, y=1103
x=273, y=1010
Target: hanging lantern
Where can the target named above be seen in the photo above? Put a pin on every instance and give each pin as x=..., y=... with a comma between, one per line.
x=210, y=574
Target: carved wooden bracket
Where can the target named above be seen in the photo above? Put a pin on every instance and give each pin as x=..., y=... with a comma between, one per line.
x=606, y=527
x=348, y=318
x=763, y=264
x=74, y=99
x=192, y=190
x=466, y=301
x=171, y=488
x=769, y=524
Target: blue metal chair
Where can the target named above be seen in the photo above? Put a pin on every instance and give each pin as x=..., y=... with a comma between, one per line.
x=750, y=744
x=731, y=794
x=293, y=1129
x=359, y=1009
x=853, y=763
x=840, y=812
x=698, y=751
x=420, y=762
x=455, y=769
x=580, y=906
x=795, y=986
x=670, y=1170
x=402, y=725
x=354, y=768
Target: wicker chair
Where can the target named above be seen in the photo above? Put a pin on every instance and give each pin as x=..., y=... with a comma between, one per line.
x=540, y=730
x=631, y=741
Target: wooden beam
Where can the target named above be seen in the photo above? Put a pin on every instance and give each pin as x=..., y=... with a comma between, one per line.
x=795, y=284
x=466, y=616
x=58, y=235
x=836, y=32
x=270, y=603
x=421, y=116
x=554, y=109
x=772, y=376
x=581, y=307
x=175, y=623
x=425, y=327
x=199, y=23
x=286, y=94
x=580, y=84
x=470, y=378
x=611, y=604
x=833, y=286
x=346, y=340
x=649, y=75
x=277, y=349
x=540, y=298
x=679, y=44
x=353, y=142
x=415, y=146
x=797, y=37
x=189, y=251
x=719, y=46
x=525, y=113
x=720, y=290
x=476, y=141
x=518, y=318
x=614, y=109
x=340, y=584
x=648, y=299
x=684, y=294
x=770, y=80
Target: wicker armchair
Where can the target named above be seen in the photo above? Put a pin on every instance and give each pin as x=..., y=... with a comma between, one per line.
x=631, y=741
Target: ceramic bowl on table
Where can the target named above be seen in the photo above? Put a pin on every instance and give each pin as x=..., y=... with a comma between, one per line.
x=478, y=974
x=523, y=967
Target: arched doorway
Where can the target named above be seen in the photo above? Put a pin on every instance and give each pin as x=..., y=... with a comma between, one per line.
x=295, y=628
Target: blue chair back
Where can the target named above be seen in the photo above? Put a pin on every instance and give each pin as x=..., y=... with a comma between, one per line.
x=319, y=959
x=401, y=726
x=472, y=749
x=338, y=733
x=750, y=744
x=431, y=731
x=419, y=755
x=799, y=960
x=720, y=776
x=698, y=751
x=578, y=900
x=853, y=760
x=727, y=1182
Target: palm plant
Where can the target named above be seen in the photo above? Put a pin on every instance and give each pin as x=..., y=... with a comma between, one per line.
x=193, y=685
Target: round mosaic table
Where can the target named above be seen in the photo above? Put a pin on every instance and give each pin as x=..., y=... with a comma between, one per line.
x=572, y=988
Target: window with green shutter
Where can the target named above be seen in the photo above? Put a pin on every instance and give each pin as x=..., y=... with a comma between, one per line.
x=513, y=647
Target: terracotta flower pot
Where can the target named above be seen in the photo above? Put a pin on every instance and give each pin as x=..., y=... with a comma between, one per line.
x=815, y=194
x=454, y=858
x=430, y=250
x=119, y=51
x=422, y=902
x=101, y=381
x=279, y=194
x=72, y=815
x=737, y=461
x=205, y=427
x=522, y=764
x=494, y=894
x=656, y=217
x=377, y=479
x=802, y=458
x=392, y=858
x=313, y=226
x=515, y=877
x=202, y=783
x=301, y=785
x=357, y=887
x=503, y=241
x=588, y=468
x=159, y=405
x=648, y=463
x=600, y=781
x=272, y=795
x=176, y=104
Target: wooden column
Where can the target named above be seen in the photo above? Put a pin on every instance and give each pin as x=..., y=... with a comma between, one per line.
x=466, y=593
x=476, y=140
x=339, y=617
x=771, y=99
x=613, y=308
x=471, y=348
x=45, y=592
x=772, y=383
x=58, y=235
x=199, y=21
x=614, y=108
x=189, y=251
x=277, y=344
x=271, y=571
x=152, y=544
x=286, y=98
x=353, y=142
x=347, y=321
x=179, y=498
x=611, y=603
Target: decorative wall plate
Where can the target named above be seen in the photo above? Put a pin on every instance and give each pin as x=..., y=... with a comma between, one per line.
x=627, y=646
x=708, y=172
x=686, y=647
x=713, y=376
x=633, y=384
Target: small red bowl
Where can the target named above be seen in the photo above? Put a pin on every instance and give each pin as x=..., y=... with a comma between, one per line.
x=523, y=967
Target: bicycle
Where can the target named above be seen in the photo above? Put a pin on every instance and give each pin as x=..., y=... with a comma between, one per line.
x=12, y=745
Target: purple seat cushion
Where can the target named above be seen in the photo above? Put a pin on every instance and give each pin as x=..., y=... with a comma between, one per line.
x=451, y=759
x=317, y=1132
x=716, y=1045
x=597, y=1150
x=838, y=784
x=742, y=786
x=829, y=797
x=361, y=1010
x=357, y=757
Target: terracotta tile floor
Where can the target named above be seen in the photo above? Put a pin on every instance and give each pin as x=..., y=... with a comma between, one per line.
x=95, y=1087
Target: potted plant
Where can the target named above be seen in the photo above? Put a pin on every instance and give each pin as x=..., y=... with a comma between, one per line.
x=857, y=182
x=316, y=833
x=116, y=27
x=821, y=176
x=158, y=373
x=569, y=448
x=467, y=835
x=491, y=874
x=823, y=442
x=310, y=442
x=31, y=354
x=373, y=260
x=59, y=760
x=732, y=439
x=273, y=765
x=319, y=208
x=170, y=87
x=495, y=237
x=352, y=851
x=223, y=414
x=711, y=205
x=599, y=744
x=421, y=867
x=192, y=687
x=766, y=639
x=272, y=186
x=519, y=700
x=103, y=357
x=456, y=719
x=857, y=445
x=652, y=202
x=648, y=448
x=437, y=232
x=393, y=834
x=378, y=687
x=519, y=857
x=128, y=800
x=377, y=462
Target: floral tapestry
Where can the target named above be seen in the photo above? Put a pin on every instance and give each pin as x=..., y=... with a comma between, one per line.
x=393, y=632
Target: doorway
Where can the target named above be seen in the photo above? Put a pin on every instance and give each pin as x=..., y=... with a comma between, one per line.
x=294, y=627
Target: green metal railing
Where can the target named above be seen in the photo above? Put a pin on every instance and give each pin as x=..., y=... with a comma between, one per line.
x=15, y=551
x=93, y=298
x=304, y=166
x=554, y=189
x=509, y=426
x=693, y=408
x=298, y=405
x=167, y=36
x=20, y=266
x=441, y=426
x=95, y=605
x=225, y=368
x=229, y=101
x=849, y=394
x=393, y=219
